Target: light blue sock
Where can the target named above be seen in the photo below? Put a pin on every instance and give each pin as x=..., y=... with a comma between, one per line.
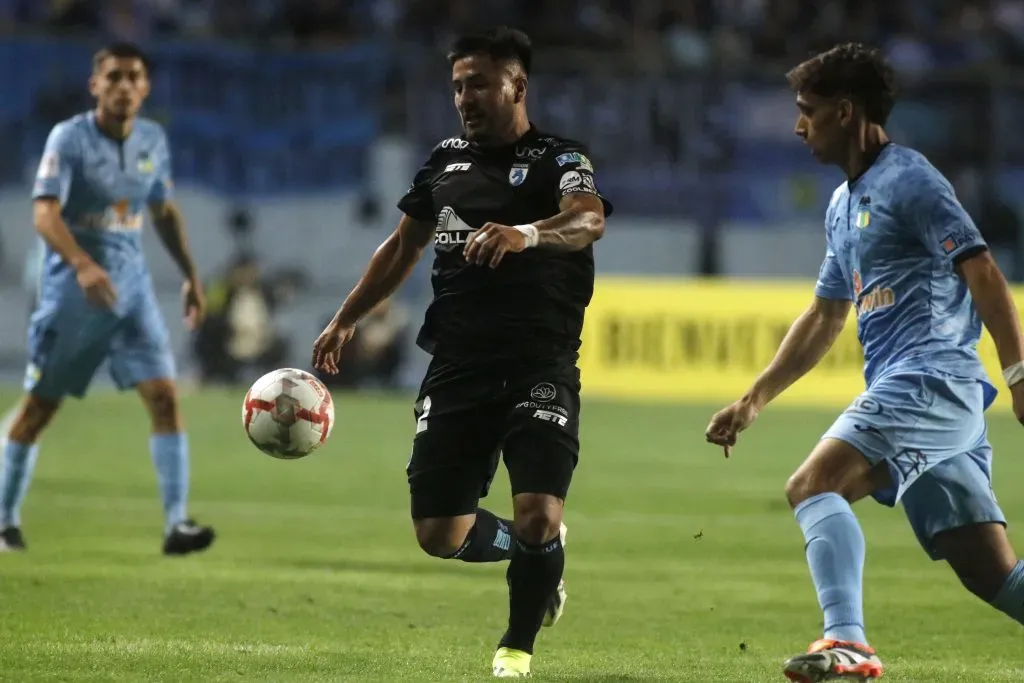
x=170, y=456
x=835, y=554
x=19, y=462
x=1011, y=597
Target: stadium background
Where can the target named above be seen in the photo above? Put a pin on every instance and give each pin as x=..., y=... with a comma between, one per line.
x=309, y=118
x=303, y=121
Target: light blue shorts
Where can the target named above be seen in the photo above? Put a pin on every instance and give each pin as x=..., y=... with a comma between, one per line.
x=930, y=430
x=69, y=338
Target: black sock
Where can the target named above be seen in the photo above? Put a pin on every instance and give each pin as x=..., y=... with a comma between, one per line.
x=490, y=540
x=533, y=576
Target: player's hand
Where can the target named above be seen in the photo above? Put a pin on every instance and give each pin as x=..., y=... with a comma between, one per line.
x=193, y=300
x=1017, y=392
x=727, y=423
x=327, y=347
x=490, y=243
x=96, y=284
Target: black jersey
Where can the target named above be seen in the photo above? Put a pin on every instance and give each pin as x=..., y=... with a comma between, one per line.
x=532, y=304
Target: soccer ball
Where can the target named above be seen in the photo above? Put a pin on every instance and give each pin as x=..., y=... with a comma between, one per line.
x=288, y=413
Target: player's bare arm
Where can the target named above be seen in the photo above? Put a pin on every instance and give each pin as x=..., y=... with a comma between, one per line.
x=995, y=306
x=170, y=226
x=93, y=280
x=808, y=340
x=578, y=224
x=388, y=268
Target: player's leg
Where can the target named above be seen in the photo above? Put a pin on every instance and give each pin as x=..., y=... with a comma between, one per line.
x=66, y=343
x=140, y=358
x=954, y=513
x=21, y=450
x=849, y=463
x=454, y=458
x=541, y=450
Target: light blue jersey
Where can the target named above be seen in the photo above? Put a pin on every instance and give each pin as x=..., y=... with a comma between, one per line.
x=104, y=187
x=893, y=238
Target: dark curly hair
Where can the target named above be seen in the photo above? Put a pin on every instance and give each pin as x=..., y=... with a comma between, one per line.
x=850, y=70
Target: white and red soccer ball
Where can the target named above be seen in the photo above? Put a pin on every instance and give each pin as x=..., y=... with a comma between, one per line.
x=288, y=413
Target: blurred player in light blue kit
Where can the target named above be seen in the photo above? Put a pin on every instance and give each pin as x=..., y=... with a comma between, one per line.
x=99, y=171
x=904, y=254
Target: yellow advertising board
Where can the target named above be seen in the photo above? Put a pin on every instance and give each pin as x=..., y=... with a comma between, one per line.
x=704, y=341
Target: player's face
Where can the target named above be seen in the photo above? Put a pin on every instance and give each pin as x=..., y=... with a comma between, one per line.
x=486, y=94
x=821, y=125
x=120, y=85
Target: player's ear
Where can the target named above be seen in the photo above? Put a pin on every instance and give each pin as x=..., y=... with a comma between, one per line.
x=520, y=89
x=845, y=112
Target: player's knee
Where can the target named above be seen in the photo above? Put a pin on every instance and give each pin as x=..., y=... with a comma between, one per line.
x=537, y=517
x=804, y=484
x=32, y=419
x=440, y=536
x=161, y=399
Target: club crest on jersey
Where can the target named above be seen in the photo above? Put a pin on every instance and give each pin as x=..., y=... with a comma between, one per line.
x=145, y=164
x=863, y=218
x=518, y=174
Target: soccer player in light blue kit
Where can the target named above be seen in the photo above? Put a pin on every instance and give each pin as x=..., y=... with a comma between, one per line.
x=903, y=253
x=96, y=302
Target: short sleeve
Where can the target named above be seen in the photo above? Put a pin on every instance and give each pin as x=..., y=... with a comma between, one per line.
x=53, y=177
x=572, y=172
x=930, y=207
x=418, y=200
x=831, y=284
x=163, y=182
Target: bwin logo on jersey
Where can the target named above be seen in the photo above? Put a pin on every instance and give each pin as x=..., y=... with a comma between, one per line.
x=451, y=231
x=518, y=174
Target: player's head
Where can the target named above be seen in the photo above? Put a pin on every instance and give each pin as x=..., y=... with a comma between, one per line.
x=489, y=75
x=838, y=93
x=120, y=80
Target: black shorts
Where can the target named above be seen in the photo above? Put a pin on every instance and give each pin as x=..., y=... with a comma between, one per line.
x=468, y=416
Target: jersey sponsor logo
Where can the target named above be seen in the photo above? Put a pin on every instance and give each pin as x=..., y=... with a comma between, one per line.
x=876, y=299
x=454, y=143
x=518, y=174
x=570, y=181
x=451, y=231
x=955, y=240
x=532, y=153
x=544, y=392
x=118, y=217
x=579, y=181
x=459, y=167
x=548, y=416
x=575, y=158
x=49, y=166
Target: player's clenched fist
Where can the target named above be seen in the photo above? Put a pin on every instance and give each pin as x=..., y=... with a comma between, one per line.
x=96, y=284
x=327, y=347
x=727, y=423
x=490, y=243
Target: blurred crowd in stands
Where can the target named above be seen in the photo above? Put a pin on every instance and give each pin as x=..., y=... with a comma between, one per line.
x=918, y=34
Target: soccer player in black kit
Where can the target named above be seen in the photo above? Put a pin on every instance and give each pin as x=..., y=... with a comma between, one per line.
x=513, y=213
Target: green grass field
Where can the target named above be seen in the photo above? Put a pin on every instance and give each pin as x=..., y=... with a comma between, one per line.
x=681, y=566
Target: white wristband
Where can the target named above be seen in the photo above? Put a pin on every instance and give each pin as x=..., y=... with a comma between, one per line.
x=530, y=232
x=1014, y=373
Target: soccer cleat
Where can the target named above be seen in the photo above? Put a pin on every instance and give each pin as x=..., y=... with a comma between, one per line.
x=509, y=663
x=187, y=537
x=11, y=539
x=556, y=606
x=834, y=660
